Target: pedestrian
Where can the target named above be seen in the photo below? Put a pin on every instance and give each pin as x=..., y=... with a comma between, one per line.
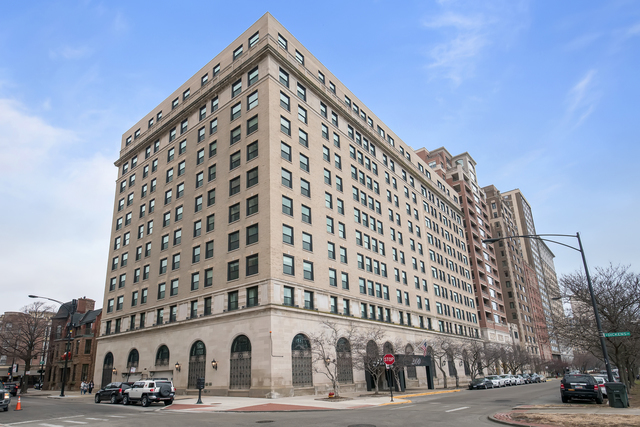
x=83, y=387
x=90, y=386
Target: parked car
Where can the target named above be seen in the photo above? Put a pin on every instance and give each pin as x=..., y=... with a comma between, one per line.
x=509, y=379
x=582, y=386
x=601, y=382
x=5, y=397
x=479, y=383
x=520, y=379
x=112, y=392
x=526, y=378
x=497, y=381
x=149, y=391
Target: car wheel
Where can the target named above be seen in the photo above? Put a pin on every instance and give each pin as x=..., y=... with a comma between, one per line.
x=113, y=399
x=97, y=398
x=168, y=402
x=145, y=401
x=565, y=399
x=599, y=400
x=125, y=400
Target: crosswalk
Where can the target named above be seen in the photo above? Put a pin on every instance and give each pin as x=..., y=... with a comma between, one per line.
x=67, y=421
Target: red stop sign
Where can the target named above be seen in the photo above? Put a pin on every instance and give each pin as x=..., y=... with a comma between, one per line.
x=389, y=359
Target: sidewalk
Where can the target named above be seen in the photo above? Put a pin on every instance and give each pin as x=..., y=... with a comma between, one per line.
x=291, y=404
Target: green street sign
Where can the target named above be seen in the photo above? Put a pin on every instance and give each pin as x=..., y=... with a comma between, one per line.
x=42, y=362
x=617, y=334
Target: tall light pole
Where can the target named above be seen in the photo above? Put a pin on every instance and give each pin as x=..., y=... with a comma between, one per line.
x=603, y=344
x=74, y=305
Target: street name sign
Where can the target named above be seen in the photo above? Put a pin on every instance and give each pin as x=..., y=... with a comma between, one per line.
x=617, y=334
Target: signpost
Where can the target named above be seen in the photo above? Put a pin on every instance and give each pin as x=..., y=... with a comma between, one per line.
x=617, y=334
x=389, y=360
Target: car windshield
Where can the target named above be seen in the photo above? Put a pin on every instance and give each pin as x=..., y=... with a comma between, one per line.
x=478, y=381
x=578, y=378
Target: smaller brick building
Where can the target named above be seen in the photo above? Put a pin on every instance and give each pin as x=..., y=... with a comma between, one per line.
x=80, y=366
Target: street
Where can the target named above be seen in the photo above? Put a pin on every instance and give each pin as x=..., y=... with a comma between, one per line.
x=452, y=409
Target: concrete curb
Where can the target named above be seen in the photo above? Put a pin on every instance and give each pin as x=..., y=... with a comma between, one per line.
x=514, y=423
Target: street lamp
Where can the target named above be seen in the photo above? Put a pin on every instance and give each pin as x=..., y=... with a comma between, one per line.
x=74, y=304
x=603, y=344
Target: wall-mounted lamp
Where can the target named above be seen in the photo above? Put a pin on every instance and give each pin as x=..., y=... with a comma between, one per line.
x=214, y=364
x=114, y=371
x=178, y=366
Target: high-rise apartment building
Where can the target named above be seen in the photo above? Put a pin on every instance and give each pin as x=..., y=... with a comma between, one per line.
x=538, y=256
x=519, y=286
x=460, y=173
x=259, y=200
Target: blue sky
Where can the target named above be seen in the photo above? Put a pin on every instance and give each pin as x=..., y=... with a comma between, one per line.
x=544, y=95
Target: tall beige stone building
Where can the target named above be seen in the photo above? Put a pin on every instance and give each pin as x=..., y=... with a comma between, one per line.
x=259, y=200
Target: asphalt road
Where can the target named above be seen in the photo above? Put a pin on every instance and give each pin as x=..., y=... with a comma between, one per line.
x=466, y=408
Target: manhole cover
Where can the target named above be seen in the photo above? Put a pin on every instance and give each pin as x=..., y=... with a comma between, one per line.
x=264, y=421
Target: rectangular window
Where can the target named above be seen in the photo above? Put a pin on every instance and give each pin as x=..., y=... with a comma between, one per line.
x=304, y=163
x=305, y=187
x=237, y=53
x=211, y=222
x=233, y=241
x=307, y=242
x=285, y=126
x=286, y=179
x=213, y=127
x=236, y=135
x=208, y=250
x=252, y=205
x=289, y=296
x=252, y=177
x=306, y=214
x=195, y=280
x=236, y=110
x=252, y=100
x=288, y=265
x=234, y=160
x=234, y=212
x=252, y=125
x=213, y=148
x=252, y=234
x=303, y=138
x=287, y=206
x=233, y=270
x=321, y=77
x=301, y=92
x=234, y=186
x=287, y=234
x=252, y=77
x=232, y=300
x=284, y=77
x=211, y=197
x=307, y=268
x=299, y=57
x=252, y=296
x=252, y=267
x=252, y=150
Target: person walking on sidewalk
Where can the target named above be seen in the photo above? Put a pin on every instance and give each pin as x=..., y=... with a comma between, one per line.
x=83, y=387
x=90, y=386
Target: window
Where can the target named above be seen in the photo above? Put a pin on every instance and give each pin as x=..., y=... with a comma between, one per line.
x=233, y=270
x=282, y=41
x=197, y=228
x=252, y=268
x=212, y=173
x=208, y=277
x=325, y=131
x=285, y=126
x=213, y=127
x=303, y=138
x=252, y=177
x=174, y=103
x=287, y=206
x=327, y=177
x=284, y=77
x=252, y=205
x=234, y=213
x=288, y=296
x=343, y=255
x=302, y=92
x=208, y=251
x=175, y=264
x=252, y=77
x=236, y=134
x=252, y=100
x=195, y=280
x=236, y=110
x=237, y=53
x=171, y=154
x=306, y=214
x=285, y=151
x=336, y=140
x=332, y=87
x=161, y=290
x=183, y=128
x=302, y=114
x=287, y=234
x=287, y=265
x=299, y=57
x=328, y=200
x=216, y=70
x=286, y=178
x=196, y=254
x=331, y=250
x=211, y=222
x=332, y=278
x=304, y=163
x=198, y=204
x=321, y=77
x=323, y=110
x=234, y=186
x=234, y=160
x=252, y=150
x=204, y=79
x=305, y=187
x=252, y=294
x=211, y=197
x=307, y=242
x=233, y=241
x=252, y=125
x=252, y=234
x=330, y=225
x=284, y=101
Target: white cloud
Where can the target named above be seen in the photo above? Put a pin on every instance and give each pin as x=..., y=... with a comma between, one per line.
x=68, y=52
x=57, y=211
x=582, y=99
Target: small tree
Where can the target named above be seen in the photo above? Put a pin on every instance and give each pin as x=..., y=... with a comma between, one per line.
x=324, y=352
x=366, y=345
x=24, y=336
x=474, y=355
x=440, y=353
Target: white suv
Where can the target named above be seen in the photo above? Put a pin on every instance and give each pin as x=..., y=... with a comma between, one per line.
x=148, y=391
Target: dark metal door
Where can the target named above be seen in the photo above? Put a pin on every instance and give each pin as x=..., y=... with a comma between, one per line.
x=196, y=369
x=240, y=367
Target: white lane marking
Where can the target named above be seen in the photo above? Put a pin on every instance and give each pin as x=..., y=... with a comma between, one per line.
x=75, y=422
x=457, y=409
x=116, y=416
x=403, y=406
x=50, y=425
x=97, y=419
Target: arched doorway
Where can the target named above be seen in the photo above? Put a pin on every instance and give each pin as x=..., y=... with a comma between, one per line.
x=344, y=361
x=387, y=348
x=411, y=370
x=162, y=356
x=301, y=371
x=197, y=360
x=240, y=363
x=132, y=362
x=107, y=369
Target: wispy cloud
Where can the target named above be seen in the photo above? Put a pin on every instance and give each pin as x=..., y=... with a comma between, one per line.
x=582, y=99
x=467, y=33
x=69, y=52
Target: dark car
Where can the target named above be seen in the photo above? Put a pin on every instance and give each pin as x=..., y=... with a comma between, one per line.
x=113, y=392
x=12, y=387
x=580, y=386
x=480, y=383
x=5, y=397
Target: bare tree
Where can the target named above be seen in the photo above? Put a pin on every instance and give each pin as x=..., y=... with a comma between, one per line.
x=324, y=351
x=474, y=355
x=514, y=358
x=440, y=353
x=617, y=293
x=24, y=336
x=492, y=356
x=366, y=348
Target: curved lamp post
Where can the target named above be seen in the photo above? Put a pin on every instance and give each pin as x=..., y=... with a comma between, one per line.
x=586, y=270
x=74, y=304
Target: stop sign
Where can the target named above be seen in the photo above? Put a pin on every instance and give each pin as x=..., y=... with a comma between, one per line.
x=389, y=359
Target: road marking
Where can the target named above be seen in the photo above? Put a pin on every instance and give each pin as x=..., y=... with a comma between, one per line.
x=403, y=406
x=75, y=422
x=457, y=409
x=116, y=416
x=97, y=419
x=50, y=425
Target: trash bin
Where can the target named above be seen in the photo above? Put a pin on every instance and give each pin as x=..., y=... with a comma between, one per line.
x=617, y=394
